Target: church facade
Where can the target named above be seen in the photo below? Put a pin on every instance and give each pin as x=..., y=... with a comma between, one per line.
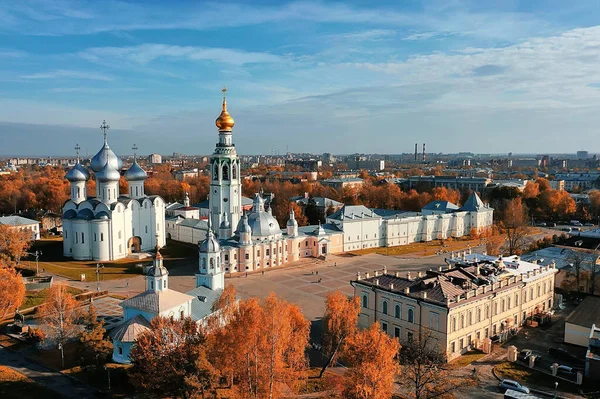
x=253, y=240
x=110, y=225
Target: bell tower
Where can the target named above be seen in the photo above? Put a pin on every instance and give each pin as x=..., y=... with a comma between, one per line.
x=225, y=198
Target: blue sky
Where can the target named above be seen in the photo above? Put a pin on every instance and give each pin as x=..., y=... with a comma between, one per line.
x=315, y=76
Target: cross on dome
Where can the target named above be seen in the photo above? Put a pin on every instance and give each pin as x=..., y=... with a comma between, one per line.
x=134, y=148
x=104, y=127
x=77, y=148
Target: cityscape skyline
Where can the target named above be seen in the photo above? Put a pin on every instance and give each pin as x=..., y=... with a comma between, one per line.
x=309, y=76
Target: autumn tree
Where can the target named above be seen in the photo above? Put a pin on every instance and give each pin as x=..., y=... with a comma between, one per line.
x=298, y=214
x=59, y=313
x=425, y=369
x=170, y=360
x=14, y=243
x=515, y=223
x=12, y=290
x=94, y=345
x=371, y=356
x=339, y=323
x=493, y=245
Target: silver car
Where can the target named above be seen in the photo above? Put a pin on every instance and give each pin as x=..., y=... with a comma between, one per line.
x=514, y=385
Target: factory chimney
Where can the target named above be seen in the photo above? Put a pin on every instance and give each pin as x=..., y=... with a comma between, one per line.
x=423, y=152
x=416, y=151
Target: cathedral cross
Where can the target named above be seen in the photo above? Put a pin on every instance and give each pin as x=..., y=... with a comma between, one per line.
x=224, y=91
x=104, y=127
x=134, y=148
x=77, y=148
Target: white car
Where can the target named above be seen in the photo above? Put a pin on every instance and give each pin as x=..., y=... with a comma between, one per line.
x=514, y=385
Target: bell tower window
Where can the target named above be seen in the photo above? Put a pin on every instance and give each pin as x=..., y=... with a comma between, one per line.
x=216, y=172
x=225, y=172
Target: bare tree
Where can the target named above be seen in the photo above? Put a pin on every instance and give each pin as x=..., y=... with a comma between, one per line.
x=515, y=224
x=424, y=367
x=577, y=260
x=594, y=266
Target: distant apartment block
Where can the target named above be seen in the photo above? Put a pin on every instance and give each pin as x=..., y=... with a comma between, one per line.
x=21, y=223
x=155, y=158
x=582, y=181
x=341, y=183
x=460, y=183
x=181, y=175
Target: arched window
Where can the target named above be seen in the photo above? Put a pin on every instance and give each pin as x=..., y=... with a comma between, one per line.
x=453, y=324
x=365, y=301
x=204, y=263
x=503, y=306
x=212, y=263
x=216, y=172
x=397, y=312
x=470, y=320
x=478, y=315
x=234, y=171
x=384, y=307
x=225, y=171
x=462, y=321
x=411, y=316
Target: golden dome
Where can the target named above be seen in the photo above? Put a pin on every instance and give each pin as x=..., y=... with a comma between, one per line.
x=224, y=122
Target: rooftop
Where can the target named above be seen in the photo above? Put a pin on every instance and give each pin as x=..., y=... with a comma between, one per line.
x=16, y=220
x=586, y=313
x=156, y=301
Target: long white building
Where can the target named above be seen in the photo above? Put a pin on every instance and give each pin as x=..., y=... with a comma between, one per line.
x=109, y=225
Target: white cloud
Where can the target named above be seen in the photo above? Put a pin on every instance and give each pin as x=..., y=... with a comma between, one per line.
x=68, y=74
x=149, y=52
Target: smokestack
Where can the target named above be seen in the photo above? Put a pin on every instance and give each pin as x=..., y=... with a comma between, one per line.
x=416, y=151
x=423, y=152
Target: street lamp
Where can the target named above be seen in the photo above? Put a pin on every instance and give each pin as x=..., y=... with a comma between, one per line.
x=62, y=355
x=555, y=389
x=108, y=370
x=37, y=255
x=98, y=267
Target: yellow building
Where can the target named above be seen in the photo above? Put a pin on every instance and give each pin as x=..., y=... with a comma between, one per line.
x=474, y=298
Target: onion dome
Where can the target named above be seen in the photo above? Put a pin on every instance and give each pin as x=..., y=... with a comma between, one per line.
x=135, y=173
x=70, y=214
x=292, y=220
x=210, y=244
x=85, y=214
x=224, y=122
x=243, y=226
x=107, y=174
x=105, y=156
x=102, y=215
x=77, y=174
x=262, y=223
x=225, y=223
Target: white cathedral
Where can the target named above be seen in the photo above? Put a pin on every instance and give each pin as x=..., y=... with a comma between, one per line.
x=110, y=225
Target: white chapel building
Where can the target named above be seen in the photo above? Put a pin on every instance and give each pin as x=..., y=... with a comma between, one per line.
x=110, y=225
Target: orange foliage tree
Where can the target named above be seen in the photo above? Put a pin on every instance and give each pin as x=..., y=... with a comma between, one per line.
x=170, y=360
x=515, y=224
x=262, y=349
x=14, y=244
x=12, y=290
x=298, y=214
x=371, y=355
x=339, y=323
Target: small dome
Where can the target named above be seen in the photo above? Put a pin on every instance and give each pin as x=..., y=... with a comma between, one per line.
x=107, y=174
x=243, y=226
x=104, y=156
x=77, y=174
x=210, y=244
x=85, y=214
x=158, y=271
x=225, y=224
x=292, y=223
x=102, y=215
x=224, y=122
x=70, y=214
x=135, y=173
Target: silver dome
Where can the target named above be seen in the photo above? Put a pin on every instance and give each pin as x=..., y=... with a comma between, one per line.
x=85, y=214
x=263, y=224
x=210, y=244
x=102, y=215
x=70, y=214
x=104, y=156
x=107, y=173
x=243, y=226
x=77, y=173
x=135, y=173
x=292, y=220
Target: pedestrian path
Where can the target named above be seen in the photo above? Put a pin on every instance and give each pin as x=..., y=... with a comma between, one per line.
x=53, y=380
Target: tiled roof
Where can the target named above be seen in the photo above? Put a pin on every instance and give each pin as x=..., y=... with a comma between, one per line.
x=156, y=301
x=473, y=204
x=16, y=220
x=348, y=212
x=440, y=206
x=203, y=301
x=130, y=329
x=586, y=313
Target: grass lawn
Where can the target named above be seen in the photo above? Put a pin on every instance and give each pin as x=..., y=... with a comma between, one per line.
x=35, y=298
x=16, y=385
x=467, y=359
x=98, y=378
x=421, y=248
x=526, y=376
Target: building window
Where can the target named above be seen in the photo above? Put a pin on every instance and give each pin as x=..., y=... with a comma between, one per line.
x=268, y=252
x=453, y=347
x=164, y=283
x=365, y=301
x=82, y=238
x=247, y=256
x=226, y=257
x=397, y=312
x=384, y=327
x=411, y=315
x=119, y=234
x=461, y=344
x=516, y=299
x=397, y=332
x=470, y=319
x=384, y=307
x=151, y=285
x=120, y=350
x=409, y=336
x=101, y=236
x=508, y=303
x=95, y=237
x=478, y=315
x=503, y=306
x=434, y=321
x=146, y=230
x=453, y=324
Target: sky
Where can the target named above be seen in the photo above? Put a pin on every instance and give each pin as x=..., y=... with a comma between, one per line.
x=302, y=76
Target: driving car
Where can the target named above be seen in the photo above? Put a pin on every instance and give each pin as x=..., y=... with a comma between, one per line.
x=514, y=385
x=562, y=369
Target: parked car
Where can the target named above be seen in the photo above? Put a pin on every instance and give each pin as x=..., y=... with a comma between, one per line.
x=562, y=354
x=514, y=385
x=562, y=369
x=542, y=224
x=552, y=224
x=588, y=224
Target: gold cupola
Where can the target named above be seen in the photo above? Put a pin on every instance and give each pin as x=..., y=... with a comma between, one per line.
x=224, y=122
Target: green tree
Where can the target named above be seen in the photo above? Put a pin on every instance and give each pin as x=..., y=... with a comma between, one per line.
x=95, y=346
